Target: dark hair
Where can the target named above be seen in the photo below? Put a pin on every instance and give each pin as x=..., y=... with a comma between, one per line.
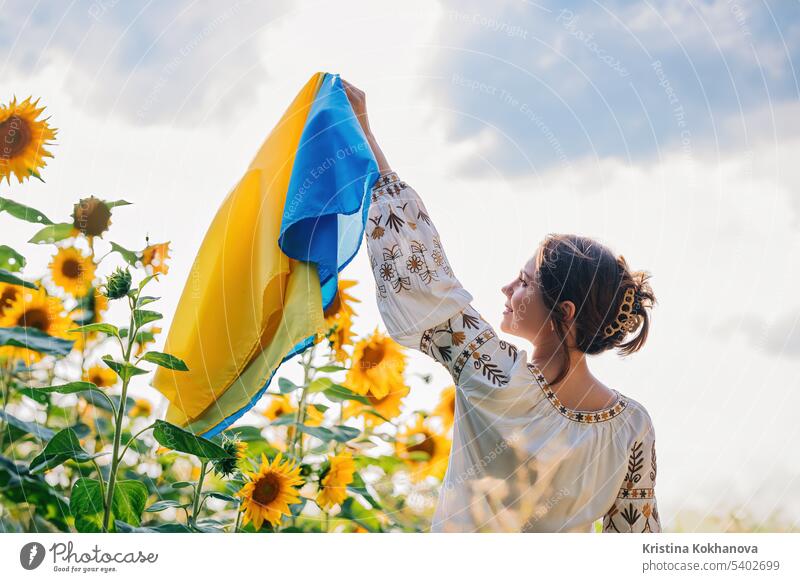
x=579, y=269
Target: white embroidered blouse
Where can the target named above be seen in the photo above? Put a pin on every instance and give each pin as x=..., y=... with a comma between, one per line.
x=520, y=461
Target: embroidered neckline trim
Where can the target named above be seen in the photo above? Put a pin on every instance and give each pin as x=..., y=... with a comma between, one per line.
x=585, y=416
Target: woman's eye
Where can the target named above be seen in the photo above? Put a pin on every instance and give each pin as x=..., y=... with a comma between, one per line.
x=524, y=284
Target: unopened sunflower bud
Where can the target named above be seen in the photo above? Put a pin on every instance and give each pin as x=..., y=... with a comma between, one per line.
x=119, y=283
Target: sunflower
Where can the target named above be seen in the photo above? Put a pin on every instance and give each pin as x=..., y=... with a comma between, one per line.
x=141, y=407
x=23, y=138
x=155, y=257
x=91, y=217
x=236, y=449
x=8, y=295
x=425, y=450
x=446, y=409
x=279, y=405
x=100, y=376
x=378, y=365
x=34, y=308
x=341, y=302
x=72, y=271
x=335, y=479
x=340, y=335
x=270, y=491
x=389, y=406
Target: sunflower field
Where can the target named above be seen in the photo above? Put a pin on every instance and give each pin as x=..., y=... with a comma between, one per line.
x=79, y=452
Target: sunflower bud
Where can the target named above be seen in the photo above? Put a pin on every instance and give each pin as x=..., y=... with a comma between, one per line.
x=119, y=283
x=91, y=216
x=236, y=450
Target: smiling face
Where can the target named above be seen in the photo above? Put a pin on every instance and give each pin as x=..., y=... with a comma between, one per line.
x=526, y=315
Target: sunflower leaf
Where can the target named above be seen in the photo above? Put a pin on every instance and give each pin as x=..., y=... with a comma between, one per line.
x=339, y=393
x=53, y=233
x=363, y=517
x=116, y=203
x=286, y=386
x=130, y=257
x=331, y=368
x=10, y=259
x=62, y=447
x=86, y=504
x=165, y=504
x=178, y=439
x=8, y=277
x=71, y=388
x=358, y=486
x=124, y=370
x=105, y=328
x=142, y=316
x=39, y=431
x=23, y=212
x=161, y=528
x=319, y=385
x=146, y=299
x=182, y=484
x=166, y=361
x=34, y=339
x=222, y=496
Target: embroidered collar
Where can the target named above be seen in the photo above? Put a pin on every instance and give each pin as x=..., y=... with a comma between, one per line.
x=587, y=416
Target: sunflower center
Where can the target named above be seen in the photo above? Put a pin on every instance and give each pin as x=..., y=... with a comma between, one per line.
x=373, y=356
x=266, y=489
x=425, y=444
x=71, y=268
x=15, y=135
x=35, y=318
x=91, y=216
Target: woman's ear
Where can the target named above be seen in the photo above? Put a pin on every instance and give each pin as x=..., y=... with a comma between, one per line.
x=568, y=311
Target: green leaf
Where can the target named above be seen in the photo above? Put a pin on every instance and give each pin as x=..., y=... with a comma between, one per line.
x=161, y=528
x=53, y=233
x=10, y=259
x=8, y=277
x=223, y=496
x=339, y=393
x=142, y=316
x=129, y=257
x=116, y=203
x=105, y=328
x=62, y=447
x=340, y=433
x=286, y=386
x=43, y=503
x=363, y=517
x=23, y=212
x=34, y=339
x=331, y=368
x=358, y=486
x=178, y=439
x=181, y=484
x=39, y=431
x=70, y=388
x=124, y=370
x=165, y=361
x=145, y=299
x=319, y=385
x=165, y=504
x=146, y=280
x=86, y=504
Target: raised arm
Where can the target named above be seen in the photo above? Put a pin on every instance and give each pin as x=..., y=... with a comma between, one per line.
x=422, y=302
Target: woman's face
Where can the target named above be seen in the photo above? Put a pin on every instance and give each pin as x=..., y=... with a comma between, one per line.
x=525, y=315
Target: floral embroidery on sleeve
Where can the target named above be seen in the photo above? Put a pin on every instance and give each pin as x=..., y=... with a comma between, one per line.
x=636, y=510
x=470, y=349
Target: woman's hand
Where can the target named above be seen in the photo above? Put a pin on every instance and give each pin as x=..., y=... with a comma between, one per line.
x=358, y=101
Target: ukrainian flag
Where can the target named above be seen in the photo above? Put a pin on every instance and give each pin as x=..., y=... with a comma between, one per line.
x=269, y=263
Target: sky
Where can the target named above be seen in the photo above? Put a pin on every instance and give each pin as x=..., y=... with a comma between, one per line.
x=667, y=130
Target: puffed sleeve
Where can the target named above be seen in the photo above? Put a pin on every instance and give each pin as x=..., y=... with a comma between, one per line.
x=421, y=301
x=635, y=509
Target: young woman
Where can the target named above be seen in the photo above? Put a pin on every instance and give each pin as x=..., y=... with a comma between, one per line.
x=539, y=445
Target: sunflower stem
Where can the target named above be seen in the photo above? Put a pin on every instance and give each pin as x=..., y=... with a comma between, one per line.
x=115, y=457
x=238, y=520
x=197, y=492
